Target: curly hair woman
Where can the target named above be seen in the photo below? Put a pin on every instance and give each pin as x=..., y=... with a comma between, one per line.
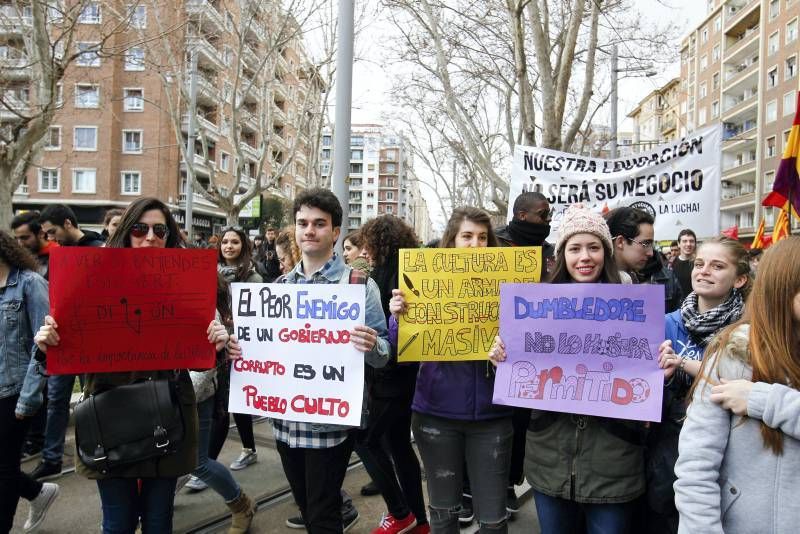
x=23, y=305
x=394, y=469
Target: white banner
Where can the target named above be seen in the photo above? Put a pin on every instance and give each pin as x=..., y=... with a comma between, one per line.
x=298, y=363
x=678, y=183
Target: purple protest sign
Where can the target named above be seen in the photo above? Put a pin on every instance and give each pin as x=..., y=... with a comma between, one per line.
x=582, y=348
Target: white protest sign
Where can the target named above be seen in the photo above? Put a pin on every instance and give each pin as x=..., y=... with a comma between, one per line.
x=298, y=362
x=678, y=183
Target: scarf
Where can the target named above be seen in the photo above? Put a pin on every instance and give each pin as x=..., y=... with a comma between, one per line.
x=702, y=327
x=228, y=272
x=524, y=233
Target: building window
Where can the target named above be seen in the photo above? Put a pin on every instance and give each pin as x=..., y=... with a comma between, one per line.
x=701, y=116
x=390, y=195
x=90, y=13
x=715, y=54
x=88, y=56
x=326, y=153
x=84, y=180
x=370, y=195
x=326, y=140
x=138, y=16
x=718, y=23
x=356, y=168
x=704, y=36
x=49, y=180
x=770, y=152
x=772, y=77
x=774, y=8
x=703, y=90
x=59, y=95
x=704, y=62
x=789, y=103
x=224, y=161
x=391, y=155
x=791, y=31
x=85, y=138
x=773, y=43
x=53, y=138
x=134, y=58
x=391, y=167
x=131, y=182
x=790, y=68
x=715, y=81
x=357, y=154
x=715, y=109
x=389, y=209
x=87, y=95
x=132, y=141
x=772, y=111
x=133, y=99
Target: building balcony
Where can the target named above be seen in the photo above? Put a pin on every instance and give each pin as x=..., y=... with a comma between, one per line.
x=12, y=108
x=737, y=12
x=249, y=120
x=739, y=170
x=741, y=107
x=668, y=126
x=21, y=191
x=15, y=67
x=206, y=14
x=744, y=47
x=280, y=90
x=278, y=116
x=742, y=72
x=14, y=22
x=199, y=201
x=208, y=55
x=210, y=129
x=250, y=150
x=738, y=201
x=250, y=56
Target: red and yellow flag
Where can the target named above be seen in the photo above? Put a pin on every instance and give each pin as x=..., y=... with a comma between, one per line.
x=787, y=180
x=758, y=239
x=781, y=228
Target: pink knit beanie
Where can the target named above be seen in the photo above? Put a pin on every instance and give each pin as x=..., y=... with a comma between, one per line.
x=579, y=219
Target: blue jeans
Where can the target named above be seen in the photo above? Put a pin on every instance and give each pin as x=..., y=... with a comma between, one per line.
x=211, y=471
x=445, y=445
x=124, y=505
x=59, y=392
x=563, y=516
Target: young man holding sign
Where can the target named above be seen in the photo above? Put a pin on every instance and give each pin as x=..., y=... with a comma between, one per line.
x=315, y=456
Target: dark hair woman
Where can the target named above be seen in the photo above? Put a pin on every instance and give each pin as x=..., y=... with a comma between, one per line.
x=454, y=419
x=235, y=265
x=394, y=468
x=146, y=223
x=23, y=305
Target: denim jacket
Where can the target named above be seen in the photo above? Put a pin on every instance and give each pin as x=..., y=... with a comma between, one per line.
x=24, y=302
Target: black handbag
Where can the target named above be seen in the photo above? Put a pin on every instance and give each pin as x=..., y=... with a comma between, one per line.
x=128, y=424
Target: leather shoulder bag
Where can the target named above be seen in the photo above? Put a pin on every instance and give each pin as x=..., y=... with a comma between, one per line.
x=128, y=424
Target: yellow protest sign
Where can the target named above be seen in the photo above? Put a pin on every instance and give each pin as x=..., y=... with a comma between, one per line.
x=453, y=298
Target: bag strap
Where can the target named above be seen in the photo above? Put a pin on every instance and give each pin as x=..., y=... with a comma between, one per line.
x=93, y=427
x=160, y=437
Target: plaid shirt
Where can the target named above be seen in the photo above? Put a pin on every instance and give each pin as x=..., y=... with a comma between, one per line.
x=304, y=435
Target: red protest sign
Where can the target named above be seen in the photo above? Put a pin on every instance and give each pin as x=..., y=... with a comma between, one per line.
x=123, y=309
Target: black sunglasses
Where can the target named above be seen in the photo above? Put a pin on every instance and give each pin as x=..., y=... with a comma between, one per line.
x=140, y=230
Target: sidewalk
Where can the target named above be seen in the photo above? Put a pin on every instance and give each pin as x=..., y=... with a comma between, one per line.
x=77, y=508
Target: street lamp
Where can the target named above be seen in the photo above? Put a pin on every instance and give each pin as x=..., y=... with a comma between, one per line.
x=614, y=71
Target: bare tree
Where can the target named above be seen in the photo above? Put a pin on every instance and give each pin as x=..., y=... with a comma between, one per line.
x=531, y=66
x=41, y=47
x=258, y=96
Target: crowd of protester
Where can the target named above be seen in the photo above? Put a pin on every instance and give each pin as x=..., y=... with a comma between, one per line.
x=721, y=459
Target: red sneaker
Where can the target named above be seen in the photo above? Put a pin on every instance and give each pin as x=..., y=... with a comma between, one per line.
x=391, y=525
x=424, y=528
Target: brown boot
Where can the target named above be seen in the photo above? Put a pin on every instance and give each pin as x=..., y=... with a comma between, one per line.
x=242, y=509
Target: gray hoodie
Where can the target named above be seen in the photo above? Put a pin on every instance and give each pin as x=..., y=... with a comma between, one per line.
x=727, y=480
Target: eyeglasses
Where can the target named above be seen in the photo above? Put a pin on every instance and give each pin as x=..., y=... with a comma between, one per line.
x=544, y=214
x=232, y=229
x=644, y=244
x=140, y=230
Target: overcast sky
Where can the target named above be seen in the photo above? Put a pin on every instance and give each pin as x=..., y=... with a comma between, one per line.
x=372, y=76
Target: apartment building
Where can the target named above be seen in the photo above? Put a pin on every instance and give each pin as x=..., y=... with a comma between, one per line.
x=381, y=179
x=739, y=67
x=114, y=136
x=656, y=117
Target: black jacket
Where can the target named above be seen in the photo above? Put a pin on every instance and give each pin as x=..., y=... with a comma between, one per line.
x=548, y=250
x=90, y=239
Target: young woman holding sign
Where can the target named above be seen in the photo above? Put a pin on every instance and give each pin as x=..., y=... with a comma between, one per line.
x=720, y=283
x=235, y=264
x=454, y=419
x=740, y=442
x=147, y=222
x=584, y=470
